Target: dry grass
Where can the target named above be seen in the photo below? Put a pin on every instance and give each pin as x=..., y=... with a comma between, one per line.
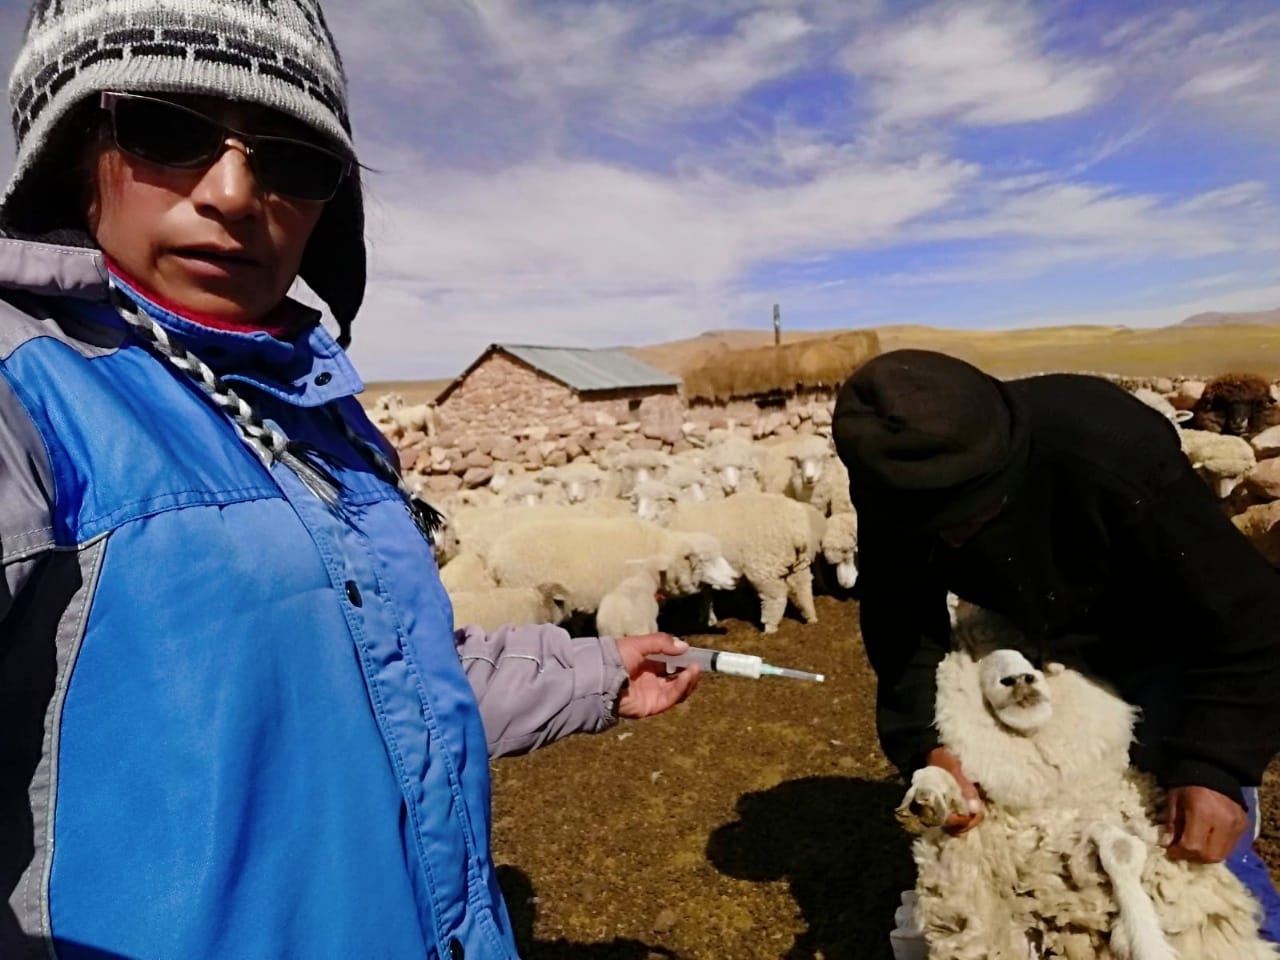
x=413, y=391
x=813, y=364
x=1202, y=351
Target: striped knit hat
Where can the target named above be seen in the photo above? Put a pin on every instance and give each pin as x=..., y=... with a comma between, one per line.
x=276, y=53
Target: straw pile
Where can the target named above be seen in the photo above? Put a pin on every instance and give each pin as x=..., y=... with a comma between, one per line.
x=821, y=363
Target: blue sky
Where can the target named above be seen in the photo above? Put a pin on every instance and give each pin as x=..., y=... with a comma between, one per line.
x=601, y=173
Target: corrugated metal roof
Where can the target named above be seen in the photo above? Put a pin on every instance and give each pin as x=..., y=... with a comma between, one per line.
x=585, y=370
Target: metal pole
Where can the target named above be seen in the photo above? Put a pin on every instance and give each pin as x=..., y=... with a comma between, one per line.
x=777, y=326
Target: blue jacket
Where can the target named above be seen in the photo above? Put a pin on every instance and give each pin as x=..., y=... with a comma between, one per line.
x=233, y=724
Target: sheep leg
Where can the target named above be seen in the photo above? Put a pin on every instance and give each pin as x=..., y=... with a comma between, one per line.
x=773, y=603
x=933, y=796
x=1137, y=934
x=800, y=589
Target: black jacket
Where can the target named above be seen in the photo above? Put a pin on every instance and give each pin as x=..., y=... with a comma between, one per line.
x=1113, y=556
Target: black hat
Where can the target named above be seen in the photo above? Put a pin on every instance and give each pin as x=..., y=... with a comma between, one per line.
x=929, y=438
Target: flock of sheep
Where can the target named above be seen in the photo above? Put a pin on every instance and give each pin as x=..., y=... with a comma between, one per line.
x=1067, y=862
x=611, y=539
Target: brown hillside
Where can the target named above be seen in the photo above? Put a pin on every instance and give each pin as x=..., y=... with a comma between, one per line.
x=1163, y=351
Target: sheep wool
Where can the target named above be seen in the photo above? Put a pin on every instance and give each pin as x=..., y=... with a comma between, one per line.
x=1066, y=861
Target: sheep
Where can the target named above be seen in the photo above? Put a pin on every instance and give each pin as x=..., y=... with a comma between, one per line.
x=737, y=464
x=477, y=529
x=1221, y=459
x=591, y=556
x=495, y=607
x=831, y=492
x=1239, y=404
x=767, y=537
x=653, y=500
x=466, y=571
x=532, y=491
x=840, y=547
x=793, y=467
x=1066, y=861
x=583, y=480
x=1161, y=405
x=637, y=466
x=631, y=608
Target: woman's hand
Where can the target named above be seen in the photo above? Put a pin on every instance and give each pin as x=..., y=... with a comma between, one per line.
x=649, y=690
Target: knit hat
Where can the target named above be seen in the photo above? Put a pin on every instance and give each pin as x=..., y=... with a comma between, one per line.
x=275, y=53
x=929, y=438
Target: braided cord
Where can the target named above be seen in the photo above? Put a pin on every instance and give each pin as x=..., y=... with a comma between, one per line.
x=425, y=517
x=268, y=443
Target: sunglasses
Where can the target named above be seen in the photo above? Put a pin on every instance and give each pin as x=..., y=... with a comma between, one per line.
x=171, y=135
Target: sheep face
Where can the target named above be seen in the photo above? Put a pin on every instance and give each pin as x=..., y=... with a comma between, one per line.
x=1015, y=691
x=847, y=574
x=1237, y=404
x=698, y=561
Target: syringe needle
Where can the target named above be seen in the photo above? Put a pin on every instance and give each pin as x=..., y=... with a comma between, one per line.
x=771, y=670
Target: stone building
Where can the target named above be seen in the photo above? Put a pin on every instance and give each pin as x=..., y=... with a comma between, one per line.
x=513, y=387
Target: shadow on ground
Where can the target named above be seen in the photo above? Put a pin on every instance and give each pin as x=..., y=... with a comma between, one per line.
x=835, y=842
x=522, y=905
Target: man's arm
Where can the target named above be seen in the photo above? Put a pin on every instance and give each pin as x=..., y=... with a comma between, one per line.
x=1226, y=600
x=906, y=630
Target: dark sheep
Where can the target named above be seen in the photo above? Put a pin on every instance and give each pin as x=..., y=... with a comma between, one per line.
x=1240, y=404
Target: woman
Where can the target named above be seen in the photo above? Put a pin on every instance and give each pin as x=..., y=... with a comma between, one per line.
x=235, y=719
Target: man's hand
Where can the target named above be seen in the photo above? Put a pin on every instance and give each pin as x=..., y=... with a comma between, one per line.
x=1202, y=825
x=650, y=690
x=957, y=824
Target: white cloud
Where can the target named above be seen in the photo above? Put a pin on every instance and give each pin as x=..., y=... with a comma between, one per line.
x=1222, y=80
x=983, y=64
x=571, y=251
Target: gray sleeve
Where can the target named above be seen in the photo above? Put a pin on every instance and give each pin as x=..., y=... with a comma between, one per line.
x=26, y=496
x=536, y=684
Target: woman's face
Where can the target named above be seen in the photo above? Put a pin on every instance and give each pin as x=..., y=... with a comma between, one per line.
x=211, y=240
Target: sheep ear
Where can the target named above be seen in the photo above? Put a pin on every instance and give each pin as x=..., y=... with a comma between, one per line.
x=1182, y=416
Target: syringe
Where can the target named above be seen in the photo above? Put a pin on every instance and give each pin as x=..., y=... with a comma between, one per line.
x=735, y=664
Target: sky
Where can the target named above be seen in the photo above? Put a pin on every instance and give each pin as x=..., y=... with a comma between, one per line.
x=585, y=173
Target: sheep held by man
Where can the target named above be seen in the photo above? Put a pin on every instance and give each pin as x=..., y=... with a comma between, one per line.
x=1066, y=862
x=1240, y=404
x=592, y=556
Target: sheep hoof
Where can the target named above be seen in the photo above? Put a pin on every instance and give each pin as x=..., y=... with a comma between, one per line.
x=1121, y=853
x=933, y=796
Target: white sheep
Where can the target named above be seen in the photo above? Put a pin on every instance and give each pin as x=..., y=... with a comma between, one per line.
x=532, y=490
x=466, y=571
x=637, y=466
x=795, y=466
x=476, y=530
x=1066, y=861
x=769, y=539
x=631, y=608
x=1220, y=458
x=592, y=556
x=831, y=492
x=583, y=480
x=496, y=607
x=1162, y=405
x=737, y=464
x=840, y=547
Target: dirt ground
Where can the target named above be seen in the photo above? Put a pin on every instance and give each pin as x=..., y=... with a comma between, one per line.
x=753, y=821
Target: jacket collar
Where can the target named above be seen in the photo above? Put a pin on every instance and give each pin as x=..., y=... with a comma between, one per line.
x=307, y=370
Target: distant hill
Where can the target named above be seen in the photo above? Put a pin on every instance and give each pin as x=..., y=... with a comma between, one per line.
x=1220, y=319
x=1204, y=345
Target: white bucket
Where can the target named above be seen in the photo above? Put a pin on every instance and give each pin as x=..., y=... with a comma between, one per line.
x=906, y=938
